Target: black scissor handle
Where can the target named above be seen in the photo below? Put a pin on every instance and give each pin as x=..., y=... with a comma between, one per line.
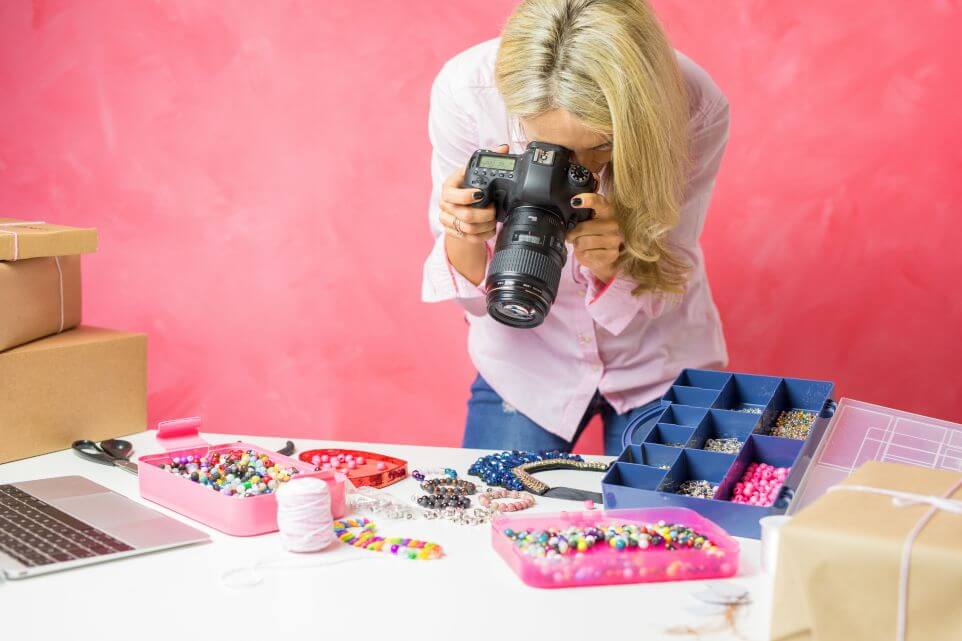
x=91, y=451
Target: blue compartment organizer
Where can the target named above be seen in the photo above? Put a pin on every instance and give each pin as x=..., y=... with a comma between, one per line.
x=663, y=447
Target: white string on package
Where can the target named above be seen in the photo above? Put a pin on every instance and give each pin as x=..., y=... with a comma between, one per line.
x=304, y=523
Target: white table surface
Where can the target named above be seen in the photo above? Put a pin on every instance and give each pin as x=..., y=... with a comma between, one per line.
x=470, y=594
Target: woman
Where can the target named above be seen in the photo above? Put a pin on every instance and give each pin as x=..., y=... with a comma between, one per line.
x=634, y=305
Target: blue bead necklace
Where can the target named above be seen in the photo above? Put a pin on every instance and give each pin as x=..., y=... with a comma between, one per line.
x=495, y=469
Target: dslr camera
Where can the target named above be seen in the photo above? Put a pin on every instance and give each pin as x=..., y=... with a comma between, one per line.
x=531, y=193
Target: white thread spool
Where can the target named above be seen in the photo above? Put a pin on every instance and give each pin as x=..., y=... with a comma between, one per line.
x=304, y=516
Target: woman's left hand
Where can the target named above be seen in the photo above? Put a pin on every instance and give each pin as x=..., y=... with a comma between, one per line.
x=598, y=242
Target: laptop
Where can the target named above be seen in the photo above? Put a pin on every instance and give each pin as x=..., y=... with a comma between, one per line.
x=65, y=522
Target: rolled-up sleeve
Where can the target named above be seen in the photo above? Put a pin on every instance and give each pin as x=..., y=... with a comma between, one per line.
x=612, y=305
x=454, y=137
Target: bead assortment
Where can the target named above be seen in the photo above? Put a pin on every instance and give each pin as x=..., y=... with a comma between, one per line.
x=367, y=539
x=554, y=543
x=239, y=473
x=698, y=489
x=725, y=445
x=759, y=484
x=439, y=501
x=487, y=500
x=745, y=408
x=447, y=486
x=793, y=424
x=495, y=469
x=421, y=476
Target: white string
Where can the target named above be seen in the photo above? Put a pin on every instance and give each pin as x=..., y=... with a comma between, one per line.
x=234, y=579
x=905, y=499
x=304, y=518
x=304, y=523
x=16, y=236
x=60, y=277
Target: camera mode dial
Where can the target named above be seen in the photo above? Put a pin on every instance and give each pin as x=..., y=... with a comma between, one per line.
x=578, y=175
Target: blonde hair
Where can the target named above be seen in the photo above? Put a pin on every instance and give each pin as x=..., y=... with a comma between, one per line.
x=609, y=64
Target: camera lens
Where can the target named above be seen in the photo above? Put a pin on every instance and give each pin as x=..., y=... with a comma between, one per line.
x=526, y=267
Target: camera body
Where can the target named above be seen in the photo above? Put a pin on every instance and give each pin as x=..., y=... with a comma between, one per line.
x=531, y=193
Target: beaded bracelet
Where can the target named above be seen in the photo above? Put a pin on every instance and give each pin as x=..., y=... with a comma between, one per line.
x=448, y=486
x=368, y=540
x=438, y=501
x=437, y=472
x=487, y=500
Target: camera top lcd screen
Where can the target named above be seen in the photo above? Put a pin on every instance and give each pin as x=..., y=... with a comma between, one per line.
x=504, y=163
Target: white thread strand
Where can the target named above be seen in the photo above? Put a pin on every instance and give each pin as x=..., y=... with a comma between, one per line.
x=304, y=523
x=16, y=236
x=60, y=277
x=304, y=518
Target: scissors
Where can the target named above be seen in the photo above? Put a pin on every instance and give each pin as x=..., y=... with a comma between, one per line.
x=113, y=451
x=116, y=452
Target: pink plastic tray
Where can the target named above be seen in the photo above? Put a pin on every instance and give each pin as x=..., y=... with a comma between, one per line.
x=248, y=516
x=603, y=565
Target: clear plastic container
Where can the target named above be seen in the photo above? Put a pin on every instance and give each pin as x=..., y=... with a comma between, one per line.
x=604, y=565
x=860, y=432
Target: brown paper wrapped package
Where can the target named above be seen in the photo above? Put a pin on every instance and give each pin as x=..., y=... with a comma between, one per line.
x=84, y=383
x=34, y=293
x=837, y=575
x=22, y=239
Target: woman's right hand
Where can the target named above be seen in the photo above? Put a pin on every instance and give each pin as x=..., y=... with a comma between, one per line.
x=473, y=225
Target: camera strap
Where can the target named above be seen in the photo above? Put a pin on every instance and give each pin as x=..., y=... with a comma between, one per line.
x=524, y=474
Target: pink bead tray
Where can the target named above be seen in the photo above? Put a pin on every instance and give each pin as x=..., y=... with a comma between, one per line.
x=247, y=516
x=604, y=565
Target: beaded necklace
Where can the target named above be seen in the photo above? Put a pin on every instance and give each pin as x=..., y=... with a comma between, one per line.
x=495, y=469
x=368, y=540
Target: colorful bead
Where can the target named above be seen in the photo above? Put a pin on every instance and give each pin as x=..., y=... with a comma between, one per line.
x=618, y=536
x=793, y=424
x=232, y=473
x=368, y=540
x=486, y=499
x=759, y=485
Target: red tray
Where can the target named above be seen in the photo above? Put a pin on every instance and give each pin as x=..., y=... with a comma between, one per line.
x=367, y=474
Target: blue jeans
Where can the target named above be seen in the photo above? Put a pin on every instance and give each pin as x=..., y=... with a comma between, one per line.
x=492, y=424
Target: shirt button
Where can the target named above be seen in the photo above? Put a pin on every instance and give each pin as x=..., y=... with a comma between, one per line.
x=584, y=339
x=583, y=291
x=595, y=367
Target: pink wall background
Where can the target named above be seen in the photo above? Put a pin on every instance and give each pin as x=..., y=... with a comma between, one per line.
x=259, y=176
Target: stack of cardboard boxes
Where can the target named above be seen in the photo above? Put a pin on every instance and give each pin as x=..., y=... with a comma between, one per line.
x=60, y=381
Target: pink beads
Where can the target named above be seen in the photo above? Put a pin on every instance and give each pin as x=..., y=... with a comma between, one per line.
x=381, y=466
x=759, y=484
x=589, y=504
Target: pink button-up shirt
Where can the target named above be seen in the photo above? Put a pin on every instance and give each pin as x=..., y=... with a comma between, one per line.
x=594, y=337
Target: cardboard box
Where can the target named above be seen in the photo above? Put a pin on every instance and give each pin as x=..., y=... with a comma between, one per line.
x=40, y=297
x=22, y=239
x=838, y=571
x=84, y=383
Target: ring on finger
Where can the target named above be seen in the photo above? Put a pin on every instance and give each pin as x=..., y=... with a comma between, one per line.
x=457, y=227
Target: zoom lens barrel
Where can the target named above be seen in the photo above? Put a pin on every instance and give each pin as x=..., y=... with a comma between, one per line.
x=526, y=267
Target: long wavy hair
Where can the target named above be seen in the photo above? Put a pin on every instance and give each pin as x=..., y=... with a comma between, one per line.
x=609, y=63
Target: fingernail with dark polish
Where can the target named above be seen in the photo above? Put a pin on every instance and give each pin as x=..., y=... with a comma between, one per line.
x=576, y=202
x=478, y=195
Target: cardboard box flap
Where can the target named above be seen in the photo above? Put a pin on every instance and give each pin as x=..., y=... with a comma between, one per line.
x=21, y=239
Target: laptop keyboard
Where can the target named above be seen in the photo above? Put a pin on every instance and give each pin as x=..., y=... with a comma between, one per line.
x=36, y=533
